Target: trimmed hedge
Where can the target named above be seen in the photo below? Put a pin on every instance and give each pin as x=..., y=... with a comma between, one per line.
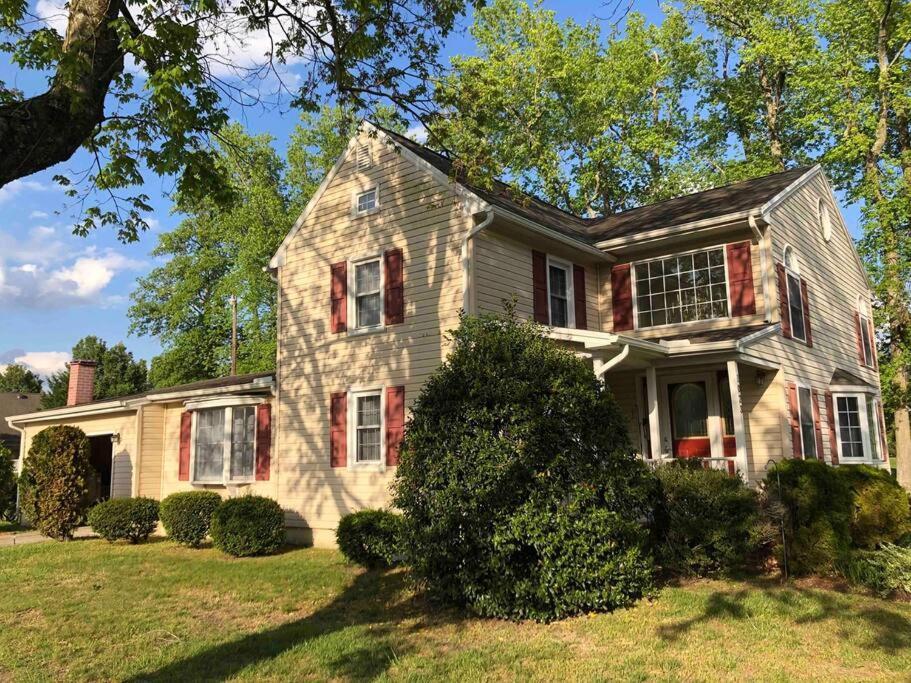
x=54, y=481
x=711, y=519
x=370, y=538
x=124, y=519
x=881, y=512
x=248, y=525
x=187, y=516
x=7, y=485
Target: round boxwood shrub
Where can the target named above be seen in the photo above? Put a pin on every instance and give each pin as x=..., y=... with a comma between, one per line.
x=520, y=492
x=248, y=525
x=813, y=505
x=53, y=482
x=187, y=516
x=124, y=519
x=880, y=512
x=370, y=538
x=711, y=519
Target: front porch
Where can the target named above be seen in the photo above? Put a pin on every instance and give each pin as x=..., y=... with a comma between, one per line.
x=682, y=399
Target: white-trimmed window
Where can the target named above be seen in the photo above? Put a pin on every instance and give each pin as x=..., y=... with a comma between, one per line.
x=224, y=444
x=560, y=293
x=367, y=427
x=366, y=289
x=825, y=220
x=857, y=428
x=795, y=295
x=367, y=201
x=682, y=288
x=866, y=341
x=809, y=447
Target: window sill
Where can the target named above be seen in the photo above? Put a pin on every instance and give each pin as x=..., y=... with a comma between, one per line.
x=223, y=484
x=363, y=214
x=361, y=331
x=367, y=466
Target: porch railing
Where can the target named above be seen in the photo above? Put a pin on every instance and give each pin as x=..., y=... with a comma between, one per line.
x=725, y=464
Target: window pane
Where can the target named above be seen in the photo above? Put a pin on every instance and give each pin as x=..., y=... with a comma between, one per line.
x=368, y=310
x=690, y=410
x=559, y=296
x=368, y=428
x=366, y=201
x=807, y=428
x=367, y=277
x=243, y=432
x=559, y=313
x=210, y=445
x=874, y=430
x=367, y=293
x=677, y=284
x=796, y=306
x=865, y=334
x=852, y=445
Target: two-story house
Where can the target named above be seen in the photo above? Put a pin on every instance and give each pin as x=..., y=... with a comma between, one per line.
x=732, y=325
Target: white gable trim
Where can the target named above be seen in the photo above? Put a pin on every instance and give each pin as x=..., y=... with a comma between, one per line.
x=471, y=203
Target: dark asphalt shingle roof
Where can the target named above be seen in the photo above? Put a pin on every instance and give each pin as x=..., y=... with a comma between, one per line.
x=728, y=334
x=717, y=201
x=15, y=403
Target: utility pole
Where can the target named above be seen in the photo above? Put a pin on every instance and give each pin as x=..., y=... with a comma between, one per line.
x=233, y=335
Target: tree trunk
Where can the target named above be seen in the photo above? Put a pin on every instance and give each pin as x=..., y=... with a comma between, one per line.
x=771, y=95
x=44, y=130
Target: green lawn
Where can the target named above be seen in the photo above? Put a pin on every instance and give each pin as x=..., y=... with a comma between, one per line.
x=86, y=610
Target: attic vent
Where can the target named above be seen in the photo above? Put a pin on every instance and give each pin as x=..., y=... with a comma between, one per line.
x=364, y=160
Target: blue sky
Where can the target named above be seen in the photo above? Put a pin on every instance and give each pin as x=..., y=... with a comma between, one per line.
x=56, y=288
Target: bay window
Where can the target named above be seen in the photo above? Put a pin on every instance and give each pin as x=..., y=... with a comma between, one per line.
x=857, y=428
x=225, y=440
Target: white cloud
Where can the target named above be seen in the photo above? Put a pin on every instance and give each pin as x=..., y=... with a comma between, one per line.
x=417, y=133
x=38, y=214
x=54, y=13
x=44, y=363
x=11, y=189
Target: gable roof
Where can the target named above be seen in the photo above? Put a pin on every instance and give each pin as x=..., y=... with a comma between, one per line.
x=14, y=403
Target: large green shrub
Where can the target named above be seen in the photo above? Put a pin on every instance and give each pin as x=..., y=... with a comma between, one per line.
x=187, y=516
x=370, y=538
x=886, y=570
x=520, y=491
x=813, y=504
x=880, y=512
x=248, y=525
x=7, y=485
x=124, y=519
x=711, y=519
x=53, y=482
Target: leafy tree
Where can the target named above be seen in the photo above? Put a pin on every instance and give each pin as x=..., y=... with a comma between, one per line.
x=592, y=125
x=520, y=491
x=117, y=372
x=220, y=249
x=360, y=53
x=54, y=481
x=20, y=379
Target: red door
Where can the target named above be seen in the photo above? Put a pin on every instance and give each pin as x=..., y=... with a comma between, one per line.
x=689, y=411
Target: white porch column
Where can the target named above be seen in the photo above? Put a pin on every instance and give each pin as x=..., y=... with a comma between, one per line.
x=654, y=438
x=740, y=433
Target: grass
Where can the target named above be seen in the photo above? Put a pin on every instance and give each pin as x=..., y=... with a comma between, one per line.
x=86, y=610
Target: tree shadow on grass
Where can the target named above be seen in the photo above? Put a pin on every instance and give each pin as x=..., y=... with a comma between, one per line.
x=886, y=629
x=374, y=600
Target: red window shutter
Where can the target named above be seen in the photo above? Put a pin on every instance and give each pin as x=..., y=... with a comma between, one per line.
x=859, y=338
x=740, y=279
x=830, y=418
x=579, y=295
x=817, y=424
x=622, y=297
x=395, y=423
x=884, y=448
x=339, y=295
x=263, y=441
x=186, y=429
x=338, y=430
x=784, y=312
x=805, y=302
x=796, y=450
x=394, y=295
x=539, y=287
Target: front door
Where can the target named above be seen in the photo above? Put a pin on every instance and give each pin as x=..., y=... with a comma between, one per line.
x=688, y=408
x=100, y=458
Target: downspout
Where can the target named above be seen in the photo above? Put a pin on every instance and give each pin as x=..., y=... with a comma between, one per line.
x=466, y=261
x=763, y=264
x=613, y=362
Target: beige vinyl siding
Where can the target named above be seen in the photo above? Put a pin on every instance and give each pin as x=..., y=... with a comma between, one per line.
x=124, y=452
x=424, y=219
x=762, y=412
x=684, y=245
x=623, y=387
x=503, y=271
x=152, y=446
x=835, y=280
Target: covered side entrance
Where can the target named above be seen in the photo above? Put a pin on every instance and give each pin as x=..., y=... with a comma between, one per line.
x=101, y=458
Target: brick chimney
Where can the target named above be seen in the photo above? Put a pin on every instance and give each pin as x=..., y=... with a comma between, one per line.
x=82, y=382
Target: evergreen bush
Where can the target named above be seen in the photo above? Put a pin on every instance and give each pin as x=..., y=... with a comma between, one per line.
x=248, y=525
x=187, y=516
x=370, y=538
x=124, y=519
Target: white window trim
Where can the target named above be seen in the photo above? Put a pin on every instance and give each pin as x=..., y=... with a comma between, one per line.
x=228, y=407
x=688, y=323
x=794, y=272
x=570, y=294
x=864, y=429
x=361, y=191
x=353, y=394
x=803, y=449
x=353, y=329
